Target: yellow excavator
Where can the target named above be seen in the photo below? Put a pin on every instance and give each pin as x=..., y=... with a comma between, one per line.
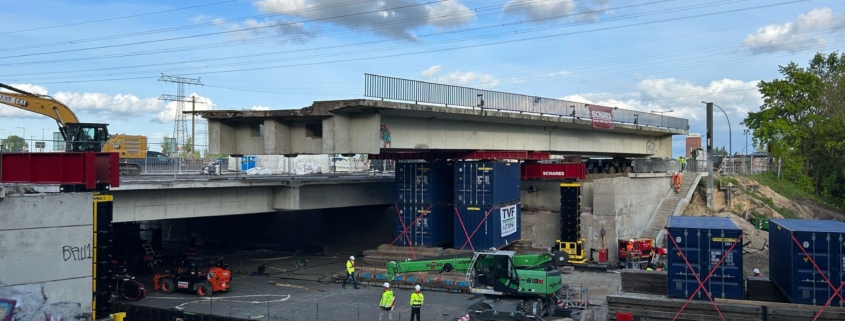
x=80, y=137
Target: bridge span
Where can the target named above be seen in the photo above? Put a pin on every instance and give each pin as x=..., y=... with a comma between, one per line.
x=162, y=197
x=444, y=118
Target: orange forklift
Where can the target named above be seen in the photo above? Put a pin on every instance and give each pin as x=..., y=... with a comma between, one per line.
x=202, y=275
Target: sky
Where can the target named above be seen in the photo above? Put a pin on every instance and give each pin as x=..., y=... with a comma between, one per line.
x=105, y=58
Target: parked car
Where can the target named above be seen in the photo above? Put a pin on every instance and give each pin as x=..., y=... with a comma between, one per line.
x=155, y=161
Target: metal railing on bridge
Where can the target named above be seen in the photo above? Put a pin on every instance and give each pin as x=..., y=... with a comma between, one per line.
x=383, y=87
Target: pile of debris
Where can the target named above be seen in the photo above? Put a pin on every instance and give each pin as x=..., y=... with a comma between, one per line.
x=386, y=253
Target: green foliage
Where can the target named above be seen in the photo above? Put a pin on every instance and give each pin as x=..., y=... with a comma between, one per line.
x=794, y=121
x=165, y=146
x=13, y=143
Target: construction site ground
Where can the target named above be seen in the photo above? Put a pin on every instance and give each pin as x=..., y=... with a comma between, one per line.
x=292, y=294
x=750, y=199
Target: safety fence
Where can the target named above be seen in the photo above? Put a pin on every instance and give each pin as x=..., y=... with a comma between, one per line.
x=383, y=87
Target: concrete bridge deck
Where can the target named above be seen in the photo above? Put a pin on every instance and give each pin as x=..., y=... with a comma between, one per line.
x=167, y=197
x=364, y=126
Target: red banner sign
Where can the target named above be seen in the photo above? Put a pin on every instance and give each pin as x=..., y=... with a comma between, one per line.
x=602, y=117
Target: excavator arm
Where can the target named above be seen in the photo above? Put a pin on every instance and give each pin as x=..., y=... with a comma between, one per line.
x=39, y=104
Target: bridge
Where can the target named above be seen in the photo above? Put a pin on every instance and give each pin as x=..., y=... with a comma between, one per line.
x=159, y=198
x=442, y=118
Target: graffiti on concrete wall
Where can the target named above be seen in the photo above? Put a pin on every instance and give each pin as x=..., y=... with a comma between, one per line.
x=385, y=136
x=7, y=309
x=77, y=253
x=30, y=303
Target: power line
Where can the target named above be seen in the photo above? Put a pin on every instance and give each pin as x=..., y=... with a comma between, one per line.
x=468, y=46
x=347, y=53
x=118, y=18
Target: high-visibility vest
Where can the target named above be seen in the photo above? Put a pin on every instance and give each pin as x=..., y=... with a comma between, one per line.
x=417, y=299
x=683, y=160
x=649, y=269
x=386, y=299
x=350, y=266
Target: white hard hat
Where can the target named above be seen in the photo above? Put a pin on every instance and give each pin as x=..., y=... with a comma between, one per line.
x=352, y=258
x=386, y=285
x=417, y=287
x=756, y=271
x=631, y=240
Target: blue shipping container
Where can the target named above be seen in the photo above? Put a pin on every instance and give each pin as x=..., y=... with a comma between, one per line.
x=424, y=183
x=704, y=241
x=487, y=226
x=433, y=228
x=247, y=162
x=486, y=183
x=793, y=272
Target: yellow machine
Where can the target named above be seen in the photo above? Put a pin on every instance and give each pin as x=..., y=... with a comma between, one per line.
x=80, y=137
x=576, y=251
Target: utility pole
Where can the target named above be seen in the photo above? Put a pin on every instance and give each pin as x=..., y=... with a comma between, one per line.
x=193, y=123
x=180, y=126
x=746, y=149
x=710, y=155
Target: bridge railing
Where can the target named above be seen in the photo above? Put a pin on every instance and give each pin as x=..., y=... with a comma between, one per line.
x=383, y=87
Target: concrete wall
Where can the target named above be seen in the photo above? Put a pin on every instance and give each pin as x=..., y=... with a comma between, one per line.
x=541, y=228
x=417, y=133
x=621, y=206
x=170, y=203
x=353, y=228
x=46, y=256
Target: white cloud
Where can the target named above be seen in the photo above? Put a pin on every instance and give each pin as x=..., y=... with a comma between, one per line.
x=806, y=31
x=168, y=115
x=287, y=31
x=119, y=106
x=259, y=108
x=430, y=72
x=460, y=78
x=198, y=18
x=557, y=73
x=401, y=17
x=736, y=97
x=551, y=10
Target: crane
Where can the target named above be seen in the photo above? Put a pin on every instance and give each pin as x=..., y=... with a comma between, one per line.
x=79, y=137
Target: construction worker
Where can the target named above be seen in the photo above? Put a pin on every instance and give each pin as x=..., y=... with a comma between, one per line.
x=683, y=162
x=350, y=273
x=648, y=267
x=387, y=302
x=417, y=300
x=757, y=273
x=629, y=250
x=676, y=181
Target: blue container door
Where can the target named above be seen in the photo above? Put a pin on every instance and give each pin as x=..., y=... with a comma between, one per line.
x=704, y=249
x=485, y=227
x=426, y=225
x=424, y=183
x=810, y=287
x=486, y=183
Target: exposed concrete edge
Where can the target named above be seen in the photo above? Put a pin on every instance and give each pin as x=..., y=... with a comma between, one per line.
x=242, y=183
x=647, y=175
x=682, y=204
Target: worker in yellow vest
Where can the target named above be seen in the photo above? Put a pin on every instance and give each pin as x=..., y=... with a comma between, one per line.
x=350, y=273
x=417, y=300
x=683, y=162
x=387, y=302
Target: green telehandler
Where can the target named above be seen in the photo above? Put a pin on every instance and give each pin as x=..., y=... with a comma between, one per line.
x=515, y=287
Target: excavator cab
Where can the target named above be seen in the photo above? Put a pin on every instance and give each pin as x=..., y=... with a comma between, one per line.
x=85, y=137
x=494, y=273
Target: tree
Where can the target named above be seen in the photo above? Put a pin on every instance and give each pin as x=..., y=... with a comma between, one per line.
x=188, y=149
x=794, y=122
x=165, y=146
x=13, y=143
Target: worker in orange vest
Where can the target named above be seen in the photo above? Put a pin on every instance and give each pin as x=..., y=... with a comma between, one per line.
x=676, y=181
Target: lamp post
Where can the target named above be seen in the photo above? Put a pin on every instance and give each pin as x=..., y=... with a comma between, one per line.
x=746, y=131
x=662, y=117
x=730, y=137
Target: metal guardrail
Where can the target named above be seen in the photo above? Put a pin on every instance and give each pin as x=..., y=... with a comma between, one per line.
x=383, y=87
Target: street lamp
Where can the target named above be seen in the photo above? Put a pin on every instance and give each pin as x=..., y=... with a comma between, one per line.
x=662, y=117
x=730, y=138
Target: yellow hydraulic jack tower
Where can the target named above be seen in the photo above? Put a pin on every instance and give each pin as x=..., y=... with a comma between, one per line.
x=570, y=241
